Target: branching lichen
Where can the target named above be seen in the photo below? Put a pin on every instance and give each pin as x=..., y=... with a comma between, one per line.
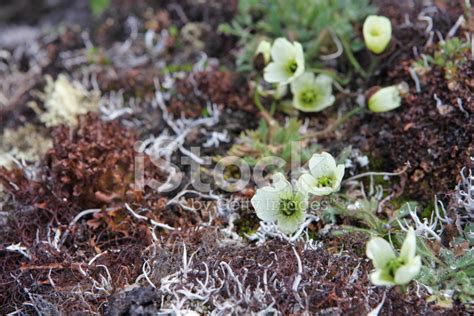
x=465, y=194
x=25, y=143
x=64, y=101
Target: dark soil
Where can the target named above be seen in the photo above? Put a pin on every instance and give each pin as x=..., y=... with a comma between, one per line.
x=435, y=143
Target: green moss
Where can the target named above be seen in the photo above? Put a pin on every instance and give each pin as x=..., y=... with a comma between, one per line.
x=427, y=210
x=178, y=68
x=247, y=224
x=376, y=163
x=312, y=234
x=399, y=202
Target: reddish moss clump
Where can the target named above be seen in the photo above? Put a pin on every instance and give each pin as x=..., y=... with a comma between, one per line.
x=89, y=167
x=194, y=92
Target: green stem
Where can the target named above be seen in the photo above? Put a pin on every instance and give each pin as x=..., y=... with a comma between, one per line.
x=351, y=57
x=331, y=74
x=257, y=101
x=341, y=207
x=334, y=126
x=347, y=116
x=371, y=220
x=273, y=108
x=366, y=217
x=374, y=64
x=351, y=229
x=272, y=123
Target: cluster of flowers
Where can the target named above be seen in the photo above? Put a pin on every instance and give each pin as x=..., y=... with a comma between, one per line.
x=286, y=203
x=285, y=65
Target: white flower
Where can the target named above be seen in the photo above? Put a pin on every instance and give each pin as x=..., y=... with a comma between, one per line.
x=324, y=175
x=312, y=94
x=390, y=269
x=377, y=32
x=264, y=48
x=281, y=203
x=287, y=62
x=386, y=99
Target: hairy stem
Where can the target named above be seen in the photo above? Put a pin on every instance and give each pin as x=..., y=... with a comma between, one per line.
x=351, y=57
x=333, y=127
x=332, y=74
x=272, y=123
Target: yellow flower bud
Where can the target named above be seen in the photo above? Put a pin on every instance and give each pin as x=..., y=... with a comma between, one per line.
x=388, y=98
x=377, y=33
x=264, y=49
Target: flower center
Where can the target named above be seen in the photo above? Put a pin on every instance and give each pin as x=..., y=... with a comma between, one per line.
x=374, y=32
x=325, y=181
x=288, y=207
x=292, y=66
x=393, y=265
x=308, y=97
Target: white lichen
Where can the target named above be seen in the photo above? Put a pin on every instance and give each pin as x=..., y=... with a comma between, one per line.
x=465, y=194
x=25, y=143
x=64, y=100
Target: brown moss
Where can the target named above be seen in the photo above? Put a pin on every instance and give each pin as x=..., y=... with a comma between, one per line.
x=226, y=89
x=89, y=167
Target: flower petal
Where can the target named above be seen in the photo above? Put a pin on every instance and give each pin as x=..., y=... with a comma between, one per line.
x=290, y=224
x=280, y=183
x=280, y=91
x=275, y=73
x=377, y=31
x=283, y=50
x=299, y=57
x=322, y=165
x=380, y=251
x=305, y=182
x=325, y=82
x=339, y=175
x=320, y=191
x=303, y=82
x=408, y=272
x=380, y=278
x=317, y=106
x=408, y=251
x=385, y=99
x=266, y=203
x=324, y=103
